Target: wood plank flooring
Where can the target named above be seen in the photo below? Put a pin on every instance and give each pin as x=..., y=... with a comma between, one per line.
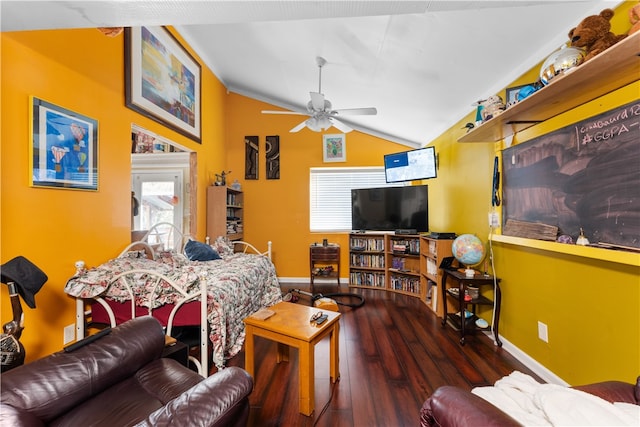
x=393, y=354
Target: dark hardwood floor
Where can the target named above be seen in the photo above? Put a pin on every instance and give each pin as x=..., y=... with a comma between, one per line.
x=393, y=354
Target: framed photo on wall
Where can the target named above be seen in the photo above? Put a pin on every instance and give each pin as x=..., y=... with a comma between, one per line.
x=64, y=149
x=162, y=80
x=334, y=148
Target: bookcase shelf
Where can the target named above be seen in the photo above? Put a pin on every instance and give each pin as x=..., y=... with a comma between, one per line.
x=406, y=264
x=432, y=252
x=225, y=213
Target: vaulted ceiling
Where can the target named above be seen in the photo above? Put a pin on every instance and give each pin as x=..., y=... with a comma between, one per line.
x=422, y=64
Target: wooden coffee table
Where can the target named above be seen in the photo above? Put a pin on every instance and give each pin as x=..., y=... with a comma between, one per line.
x=290, y=326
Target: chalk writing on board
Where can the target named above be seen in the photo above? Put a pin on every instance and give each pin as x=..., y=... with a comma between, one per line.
x=585, y=175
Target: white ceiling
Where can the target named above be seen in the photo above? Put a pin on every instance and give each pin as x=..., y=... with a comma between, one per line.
x=422, y=64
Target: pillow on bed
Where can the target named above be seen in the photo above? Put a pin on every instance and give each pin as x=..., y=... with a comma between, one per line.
x=223, y=246
x=136, y=254
x=198, y=251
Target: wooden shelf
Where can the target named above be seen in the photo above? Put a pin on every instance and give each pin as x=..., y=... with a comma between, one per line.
x=616, y=67
x=611, y=255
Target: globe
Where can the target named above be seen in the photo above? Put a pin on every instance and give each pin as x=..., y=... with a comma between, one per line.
x=468, y=250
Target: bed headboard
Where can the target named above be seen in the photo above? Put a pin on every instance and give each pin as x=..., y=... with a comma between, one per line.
x=167, y=235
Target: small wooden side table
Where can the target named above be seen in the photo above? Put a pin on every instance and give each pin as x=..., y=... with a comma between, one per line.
x=178, y=351
x=324, y=262
x=291, y=326
x=478, y=280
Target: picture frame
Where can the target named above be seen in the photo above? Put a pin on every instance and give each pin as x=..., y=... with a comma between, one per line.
x=162, y=80
x=511, y=93
x=334, y=148
x=64, y=149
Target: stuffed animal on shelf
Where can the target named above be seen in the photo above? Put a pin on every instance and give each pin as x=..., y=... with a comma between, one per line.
x=593, y=34
x=634, y=18
x=491, y=107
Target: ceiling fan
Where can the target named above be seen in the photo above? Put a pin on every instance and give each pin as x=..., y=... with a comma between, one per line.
x=321, y=115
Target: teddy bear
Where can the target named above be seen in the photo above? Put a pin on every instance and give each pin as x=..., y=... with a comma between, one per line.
x=634, y=18
x=593, y=34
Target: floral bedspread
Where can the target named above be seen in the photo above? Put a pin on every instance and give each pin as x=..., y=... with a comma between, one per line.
x=237, y=286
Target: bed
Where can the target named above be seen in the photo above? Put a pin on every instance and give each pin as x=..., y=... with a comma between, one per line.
x=166, y=284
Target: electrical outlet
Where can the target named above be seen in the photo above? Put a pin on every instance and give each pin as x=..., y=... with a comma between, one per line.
x=69, y=333
x=494, y=220
x=543, y=332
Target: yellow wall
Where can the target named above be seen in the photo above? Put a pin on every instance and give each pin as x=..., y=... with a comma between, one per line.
x=83, y=71
x=590, y=306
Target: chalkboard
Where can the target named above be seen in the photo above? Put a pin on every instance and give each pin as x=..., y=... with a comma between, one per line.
x=586, y=175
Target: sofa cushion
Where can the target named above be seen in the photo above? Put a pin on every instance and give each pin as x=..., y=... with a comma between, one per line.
x=55, y=384
x=133, y=399
x=164, y=379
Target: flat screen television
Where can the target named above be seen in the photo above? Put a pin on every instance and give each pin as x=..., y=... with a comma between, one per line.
x=390, y=208
x=411, y=165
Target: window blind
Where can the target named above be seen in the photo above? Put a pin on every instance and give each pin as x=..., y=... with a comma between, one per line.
x=330, y=194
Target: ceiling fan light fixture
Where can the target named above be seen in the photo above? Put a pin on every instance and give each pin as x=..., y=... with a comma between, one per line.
x=324, y=123
x=312, y=124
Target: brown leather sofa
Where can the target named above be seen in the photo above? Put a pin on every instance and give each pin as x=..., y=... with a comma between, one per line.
x=450, y=406
x=121, y=379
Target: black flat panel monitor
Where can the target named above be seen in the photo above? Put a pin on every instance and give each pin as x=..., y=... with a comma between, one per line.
x=390, y=208
x=411, y=165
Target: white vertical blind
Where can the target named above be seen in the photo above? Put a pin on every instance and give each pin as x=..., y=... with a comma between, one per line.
x=330, y=194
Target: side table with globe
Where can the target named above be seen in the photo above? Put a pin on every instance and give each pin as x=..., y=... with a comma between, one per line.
x=469, y=251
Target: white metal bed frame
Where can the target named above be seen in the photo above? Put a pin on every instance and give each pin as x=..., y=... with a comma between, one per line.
x=126, y=279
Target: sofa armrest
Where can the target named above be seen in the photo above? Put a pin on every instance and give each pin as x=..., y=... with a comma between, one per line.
x=614, y=391
x=451, y=406
x=219, y=400
x=16, y=417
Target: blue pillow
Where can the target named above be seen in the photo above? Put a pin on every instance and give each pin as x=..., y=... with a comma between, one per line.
x=197, y=251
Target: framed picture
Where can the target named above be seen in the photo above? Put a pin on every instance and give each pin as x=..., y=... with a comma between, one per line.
x=334, y=148
x=513, y=92
x=64, y=150
x=162, y=80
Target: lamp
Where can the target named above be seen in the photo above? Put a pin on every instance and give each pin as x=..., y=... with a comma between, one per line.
x=324, y=122
x=318, y=123
x=312, y=124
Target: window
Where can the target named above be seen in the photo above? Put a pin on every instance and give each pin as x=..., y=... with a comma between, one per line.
x=160, y=198
x=330, y=194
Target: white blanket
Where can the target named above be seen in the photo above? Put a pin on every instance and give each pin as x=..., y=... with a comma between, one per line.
x=534, y=404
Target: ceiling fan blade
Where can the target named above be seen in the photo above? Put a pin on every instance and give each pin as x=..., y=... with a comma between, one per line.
x=371, y=111
x=299, y=113
x=298, y=127
x=339, y=125
x=317, y=101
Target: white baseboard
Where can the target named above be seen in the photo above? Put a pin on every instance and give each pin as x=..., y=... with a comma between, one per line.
x=304, y=281
x=531, y=363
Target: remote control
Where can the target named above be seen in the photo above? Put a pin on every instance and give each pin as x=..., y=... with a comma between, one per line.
x=320, y=320
x=91, y=338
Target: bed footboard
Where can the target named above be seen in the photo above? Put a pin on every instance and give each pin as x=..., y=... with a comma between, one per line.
x=127, y=280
